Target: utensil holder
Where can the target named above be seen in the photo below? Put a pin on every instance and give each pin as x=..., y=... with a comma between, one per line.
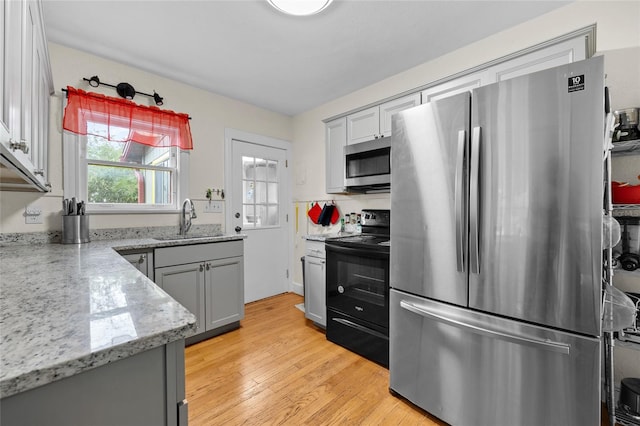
x=75, y=229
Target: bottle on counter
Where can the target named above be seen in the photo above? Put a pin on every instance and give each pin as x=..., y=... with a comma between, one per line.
x=358, y=224
x=341, y=224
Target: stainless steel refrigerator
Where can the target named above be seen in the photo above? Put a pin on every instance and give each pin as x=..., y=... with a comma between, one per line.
x=495, y=266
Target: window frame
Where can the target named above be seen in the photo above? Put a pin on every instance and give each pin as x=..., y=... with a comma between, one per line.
x=75, y=178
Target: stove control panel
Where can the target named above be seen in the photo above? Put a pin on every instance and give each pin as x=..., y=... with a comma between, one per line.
x=380, y=218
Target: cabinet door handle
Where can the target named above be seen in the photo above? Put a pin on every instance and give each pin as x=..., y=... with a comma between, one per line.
x=141, y=260
x=201, y=267
x=22, y=146
x=208, y=266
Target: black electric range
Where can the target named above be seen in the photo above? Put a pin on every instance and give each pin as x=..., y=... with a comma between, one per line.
x=357, y=286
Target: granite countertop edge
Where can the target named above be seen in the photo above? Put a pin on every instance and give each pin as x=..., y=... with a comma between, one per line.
x=40, y=377
x=16, y=350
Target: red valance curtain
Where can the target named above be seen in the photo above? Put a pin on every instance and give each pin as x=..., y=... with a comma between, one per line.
x=148, y=125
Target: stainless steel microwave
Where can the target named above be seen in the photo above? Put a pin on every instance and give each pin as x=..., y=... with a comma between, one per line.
x=368, y=165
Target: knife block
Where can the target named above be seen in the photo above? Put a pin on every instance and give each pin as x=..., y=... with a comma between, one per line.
x=75, y=229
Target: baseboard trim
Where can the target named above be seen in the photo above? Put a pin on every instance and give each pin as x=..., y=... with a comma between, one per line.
x=297, y=288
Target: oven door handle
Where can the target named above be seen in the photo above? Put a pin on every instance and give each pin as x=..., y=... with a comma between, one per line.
x=355, y=251
x=359, y=327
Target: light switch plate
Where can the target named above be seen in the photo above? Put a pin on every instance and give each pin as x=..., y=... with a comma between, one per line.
x=213, y=207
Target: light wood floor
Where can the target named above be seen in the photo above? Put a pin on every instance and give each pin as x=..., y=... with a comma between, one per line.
x=278, y=368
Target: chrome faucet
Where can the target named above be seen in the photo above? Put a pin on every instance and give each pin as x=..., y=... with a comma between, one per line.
x=186, y=216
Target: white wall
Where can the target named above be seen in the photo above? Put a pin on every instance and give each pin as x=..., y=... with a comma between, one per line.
x=210, y=114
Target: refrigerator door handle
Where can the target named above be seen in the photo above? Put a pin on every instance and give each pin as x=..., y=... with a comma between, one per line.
x=460, y=198
x=474, y=202
x=548, y=345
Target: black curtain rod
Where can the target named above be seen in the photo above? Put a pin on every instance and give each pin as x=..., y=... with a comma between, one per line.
x=111, y=85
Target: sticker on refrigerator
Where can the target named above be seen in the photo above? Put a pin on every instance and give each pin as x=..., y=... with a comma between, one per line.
x=576, y=83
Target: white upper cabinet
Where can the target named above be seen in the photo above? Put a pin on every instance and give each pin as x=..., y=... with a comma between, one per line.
x=26, y=87
x=453, y=87
x=363, y=126
x=387, y=109
x=552, y=56
x=547, y=57
x=336, y=139
x=375, y=122
x=4, y=131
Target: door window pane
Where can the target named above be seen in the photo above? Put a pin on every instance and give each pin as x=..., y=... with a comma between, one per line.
x=260, y=192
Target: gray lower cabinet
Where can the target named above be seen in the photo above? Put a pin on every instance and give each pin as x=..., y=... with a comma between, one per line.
x=142, y=260
x=208, y=280
x=315, y=306
x=185, y=283
x=144, y=389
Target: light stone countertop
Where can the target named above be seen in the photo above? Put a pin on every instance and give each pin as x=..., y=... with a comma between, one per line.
x=65, y=309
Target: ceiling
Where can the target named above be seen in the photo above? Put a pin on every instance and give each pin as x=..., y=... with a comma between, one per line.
x=245, y=49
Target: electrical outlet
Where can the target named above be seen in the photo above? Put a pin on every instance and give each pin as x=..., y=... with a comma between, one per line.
x=213, y=207
x=32, y=215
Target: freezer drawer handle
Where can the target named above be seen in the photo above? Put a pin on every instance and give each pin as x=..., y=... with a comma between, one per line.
x=545, y=344
x=359, y=327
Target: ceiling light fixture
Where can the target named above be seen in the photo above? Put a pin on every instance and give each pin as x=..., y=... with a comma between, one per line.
x=300, y=7
x=124, y=89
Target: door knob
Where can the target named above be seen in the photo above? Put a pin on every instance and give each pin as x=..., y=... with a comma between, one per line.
x=237, y=215
x=238, y=229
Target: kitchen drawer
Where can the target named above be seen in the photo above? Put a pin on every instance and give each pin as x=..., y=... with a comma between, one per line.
x=178, y=255
x=315, y=249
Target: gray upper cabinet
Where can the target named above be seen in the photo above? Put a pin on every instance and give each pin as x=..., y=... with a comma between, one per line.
x=207, y=279
x=336, y=139
x=26, y=87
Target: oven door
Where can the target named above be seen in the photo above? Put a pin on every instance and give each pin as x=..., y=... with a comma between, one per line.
x=358, y=283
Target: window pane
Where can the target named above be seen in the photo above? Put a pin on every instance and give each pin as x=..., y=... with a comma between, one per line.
x=249, y=217
x=126, y=152
x=273, y=171
x=272, y=192
x=107, y=184
x=272, y=215
x=248, y=191
x=261, y=192
x=248, y=168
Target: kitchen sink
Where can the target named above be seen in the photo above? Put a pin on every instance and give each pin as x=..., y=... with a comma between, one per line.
x=185, y=237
